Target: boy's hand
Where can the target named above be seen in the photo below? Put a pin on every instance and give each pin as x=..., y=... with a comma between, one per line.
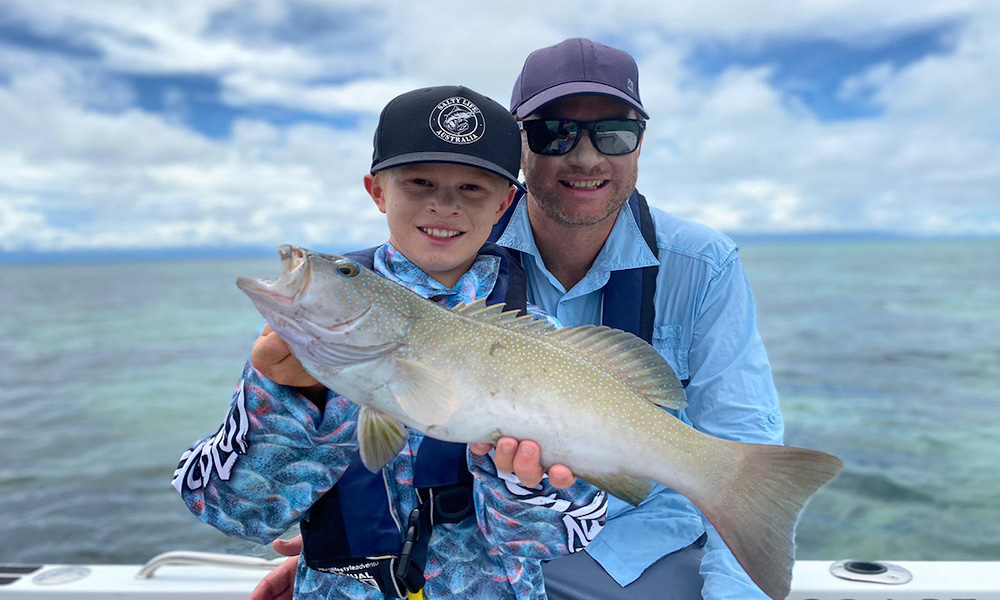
x=272, y=357
x=522, y=459
x=279, y=583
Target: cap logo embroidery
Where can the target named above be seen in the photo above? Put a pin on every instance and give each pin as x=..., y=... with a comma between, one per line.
x=631, y=86
x=456, y=120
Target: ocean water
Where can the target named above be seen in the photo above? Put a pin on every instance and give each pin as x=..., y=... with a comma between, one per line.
x=886, y=354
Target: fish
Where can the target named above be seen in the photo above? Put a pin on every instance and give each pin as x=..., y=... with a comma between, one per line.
x=592, y=397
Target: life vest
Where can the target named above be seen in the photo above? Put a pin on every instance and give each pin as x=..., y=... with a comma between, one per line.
x=625, y=287
x=351, y=529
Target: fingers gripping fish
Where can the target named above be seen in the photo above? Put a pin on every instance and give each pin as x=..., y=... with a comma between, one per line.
x=592, y=398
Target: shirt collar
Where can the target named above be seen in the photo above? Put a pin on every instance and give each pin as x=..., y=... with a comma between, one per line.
x=625, y=247
x=474, y=284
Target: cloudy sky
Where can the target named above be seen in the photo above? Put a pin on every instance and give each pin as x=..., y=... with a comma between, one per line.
x=162, y=124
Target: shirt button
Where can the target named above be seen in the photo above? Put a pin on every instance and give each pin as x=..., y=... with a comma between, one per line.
x=773, y=418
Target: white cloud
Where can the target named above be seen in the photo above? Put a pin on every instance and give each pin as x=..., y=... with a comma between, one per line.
x=84, y=168
x=135, y=179
x=959, y=89
x=19, y=219
x=43, y=118
x=928, y=164
x=367, y=95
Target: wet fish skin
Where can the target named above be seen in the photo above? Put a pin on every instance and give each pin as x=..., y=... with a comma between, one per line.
x=592, y=398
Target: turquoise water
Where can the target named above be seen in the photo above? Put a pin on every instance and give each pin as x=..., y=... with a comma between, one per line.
x=886, y=354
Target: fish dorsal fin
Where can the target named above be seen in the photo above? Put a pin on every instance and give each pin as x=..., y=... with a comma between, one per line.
x=629, y=358
x=477, y=308
x=495, y=314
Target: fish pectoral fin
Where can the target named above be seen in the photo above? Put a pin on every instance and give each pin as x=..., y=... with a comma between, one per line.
x=379, y=438
x=630, y=489
x=425, y=393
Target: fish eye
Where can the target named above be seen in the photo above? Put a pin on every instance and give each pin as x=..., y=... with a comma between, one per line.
x=348, y=269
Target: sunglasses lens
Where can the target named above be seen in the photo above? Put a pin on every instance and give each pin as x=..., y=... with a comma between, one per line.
x=616, y=137
x=610, y=136
x=551, y=137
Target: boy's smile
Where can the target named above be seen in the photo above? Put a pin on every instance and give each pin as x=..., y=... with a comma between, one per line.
x=440, y=233
x=440, y=214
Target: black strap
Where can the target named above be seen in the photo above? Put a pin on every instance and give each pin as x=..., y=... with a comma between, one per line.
x=648, y=309
x=626, y=286
x=409, y=569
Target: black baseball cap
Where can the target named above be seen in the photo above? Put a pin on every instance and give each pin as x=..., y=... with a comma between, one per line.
x=573, y=67
x=448, y=124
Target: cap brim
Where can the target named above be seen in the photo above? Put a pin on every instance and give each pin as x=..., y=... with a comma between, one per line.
x=575, y=88
x=446, y=157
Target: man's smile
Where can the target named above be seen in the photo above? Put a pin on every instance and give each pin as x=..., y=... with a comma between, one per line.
x=590, y=184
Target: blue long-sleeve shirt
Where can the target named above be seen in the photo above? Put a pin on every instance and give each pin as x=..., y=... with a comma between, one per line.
x=705, y=326
x=277, y=453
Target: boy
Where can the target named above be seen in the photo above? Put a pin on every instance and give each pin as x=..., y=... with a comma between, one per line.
x=443, y=174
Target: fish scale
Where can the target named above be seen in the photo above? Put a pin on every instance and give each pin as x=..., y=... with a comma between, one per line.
x=593, y=398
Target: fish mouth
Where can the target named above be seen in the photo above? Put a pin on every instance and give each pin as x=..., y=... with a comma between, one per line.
x=292, y=282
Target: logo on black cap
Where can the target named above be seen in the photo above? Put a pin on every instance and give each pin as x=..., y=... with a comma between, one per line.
x=457, y=120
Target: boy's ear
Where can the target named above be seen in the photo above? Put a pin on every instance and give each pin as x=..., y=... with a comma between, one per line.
x=374, y=188
x=505, y=204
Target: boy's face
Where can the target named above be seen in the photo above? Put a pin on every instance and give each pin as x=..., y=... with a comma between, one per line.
x=440, y=214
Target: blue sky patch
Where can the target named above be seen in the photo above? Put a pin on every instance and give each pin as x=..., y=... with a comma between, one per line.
x=21, y=35
x=69, y=218
x=811, y=71
x=301, y=22
x=195, y=100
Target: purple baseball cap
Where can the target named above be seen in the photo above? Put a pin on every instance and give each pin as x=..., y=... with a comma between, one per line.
x=575, y=66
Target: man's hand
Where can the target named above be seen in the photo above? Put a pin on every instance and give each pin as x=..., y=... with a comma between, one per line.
x=272, y=357
x=279, y=583
x=522, y=459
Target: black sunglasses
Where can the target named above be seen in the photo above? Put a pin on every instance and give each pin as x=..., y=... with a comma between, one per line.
x=554, y=137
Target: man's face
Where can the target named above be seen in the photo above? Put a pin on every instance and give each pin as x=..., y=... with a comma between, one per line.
x=440, y=214
x=584, y=187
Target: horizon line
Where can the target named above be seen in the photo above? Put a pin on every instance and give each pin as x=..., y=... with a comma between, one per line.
x=133, y=254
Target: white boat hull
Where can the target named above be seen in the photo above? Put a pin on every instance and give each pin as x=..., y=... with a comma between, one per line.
x=119, y=582
x=812, y=580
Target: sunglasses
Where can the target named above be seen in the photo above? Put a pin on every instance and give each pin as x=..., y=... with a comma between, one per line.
x=554, y=137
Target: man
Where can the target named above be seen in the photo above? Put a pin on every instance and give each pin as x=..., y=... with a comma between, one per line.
x=594, y=253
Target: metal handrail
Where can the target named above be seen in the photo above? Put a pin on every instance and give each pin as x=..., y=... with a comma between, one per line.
x=212, y=559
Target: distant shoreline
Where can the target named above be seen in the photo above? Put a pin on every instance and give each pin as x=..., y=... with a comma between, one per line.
x=131, y=255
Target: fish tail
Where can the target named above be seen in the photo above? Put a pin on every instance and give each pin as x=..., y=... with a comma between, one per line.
x=755, y=512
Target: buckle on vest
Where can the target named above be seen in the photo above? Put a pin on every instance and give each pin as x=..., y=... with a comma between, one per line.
x=409, y=568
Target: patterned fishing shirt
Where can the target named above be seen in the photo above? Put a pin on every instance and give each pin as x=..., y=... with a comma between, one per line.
x=277, y=453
